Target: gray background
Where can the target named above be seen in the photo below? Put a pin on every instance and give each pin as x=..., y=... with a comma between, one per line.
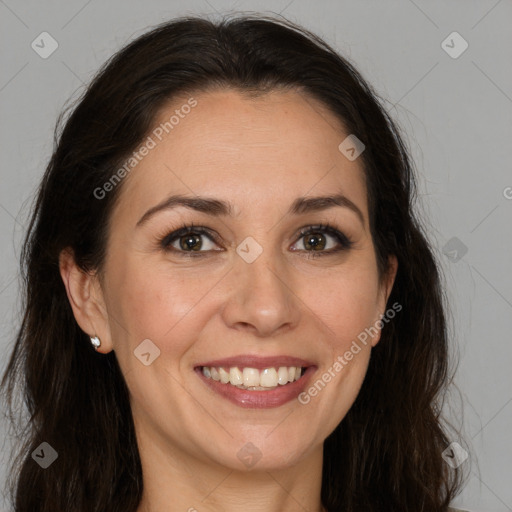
x=456, y=114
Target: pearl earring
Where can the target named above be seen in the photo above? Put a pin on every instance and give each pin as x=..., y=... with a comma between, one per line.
x=96, y=342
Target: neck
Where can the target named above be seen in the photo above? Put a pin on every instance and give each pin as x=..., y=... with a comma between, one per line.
x=175, y=482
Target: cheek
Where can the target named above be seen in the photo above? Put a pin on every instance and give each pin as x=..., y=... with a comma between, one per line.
x=345, y=302
x=152, y=302
x=345, y=306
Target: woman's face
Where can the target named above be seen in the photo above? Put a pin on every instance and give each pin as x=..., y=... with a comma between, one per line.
x=250, y=294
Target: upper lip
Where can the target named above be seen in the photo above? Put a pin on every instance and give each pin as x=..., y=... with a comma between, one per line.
x=257, y=362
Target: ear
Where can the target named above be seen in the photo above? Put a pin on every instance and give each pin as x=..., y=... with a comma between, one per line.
x=384, y=292
x=86, y=299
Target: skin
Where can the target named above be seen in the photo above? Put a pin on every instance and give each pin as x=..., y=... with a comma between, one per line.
x=260, y=154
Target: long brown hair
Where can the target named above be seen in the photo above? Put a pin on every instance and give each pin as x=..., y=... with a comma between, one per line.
x=386, y=453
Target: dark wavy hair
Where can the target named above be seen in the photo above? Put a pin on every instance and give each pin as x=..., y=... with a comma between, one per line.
x=385, y=455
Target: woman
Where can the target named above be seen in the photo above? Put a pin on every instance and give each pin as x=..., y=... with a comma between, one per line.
x=223, y=237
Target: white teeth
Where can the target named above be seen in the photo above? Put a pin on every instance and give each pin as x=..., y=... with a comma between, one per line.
x=268, y=378
x=252, y=378
x=282, y=375
x=235, y=376
x=224, y=376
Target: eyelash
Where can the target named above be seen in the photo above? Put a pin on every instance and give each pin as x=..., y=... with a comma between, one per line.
x=185, y=229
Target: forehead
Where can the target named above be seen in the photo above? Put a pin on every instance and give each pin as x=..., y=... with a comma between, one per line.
x=269, y=149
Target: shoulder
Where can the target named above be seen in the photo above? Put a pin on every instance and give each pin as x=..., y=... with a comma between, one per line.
x=456, y=510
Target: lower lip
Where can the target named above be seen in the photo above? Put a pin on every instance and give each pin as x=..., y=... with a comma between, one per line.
x=259, y=399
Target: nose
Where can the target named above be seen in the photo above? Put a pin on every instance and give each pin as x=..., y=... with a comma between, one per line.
x=262, y=300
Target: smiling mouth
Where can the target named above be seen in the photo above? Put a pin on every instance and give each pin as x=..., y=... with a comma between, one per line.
x=252, y=379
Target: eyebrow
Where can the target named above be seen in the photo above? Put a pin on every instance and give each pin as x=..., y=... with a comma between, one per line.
x=218, y=208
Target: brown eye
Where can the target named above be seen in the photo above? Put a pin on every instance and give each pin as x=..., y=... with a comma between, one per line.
x=323, y=240
x=191, y=241
x=315, y=241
